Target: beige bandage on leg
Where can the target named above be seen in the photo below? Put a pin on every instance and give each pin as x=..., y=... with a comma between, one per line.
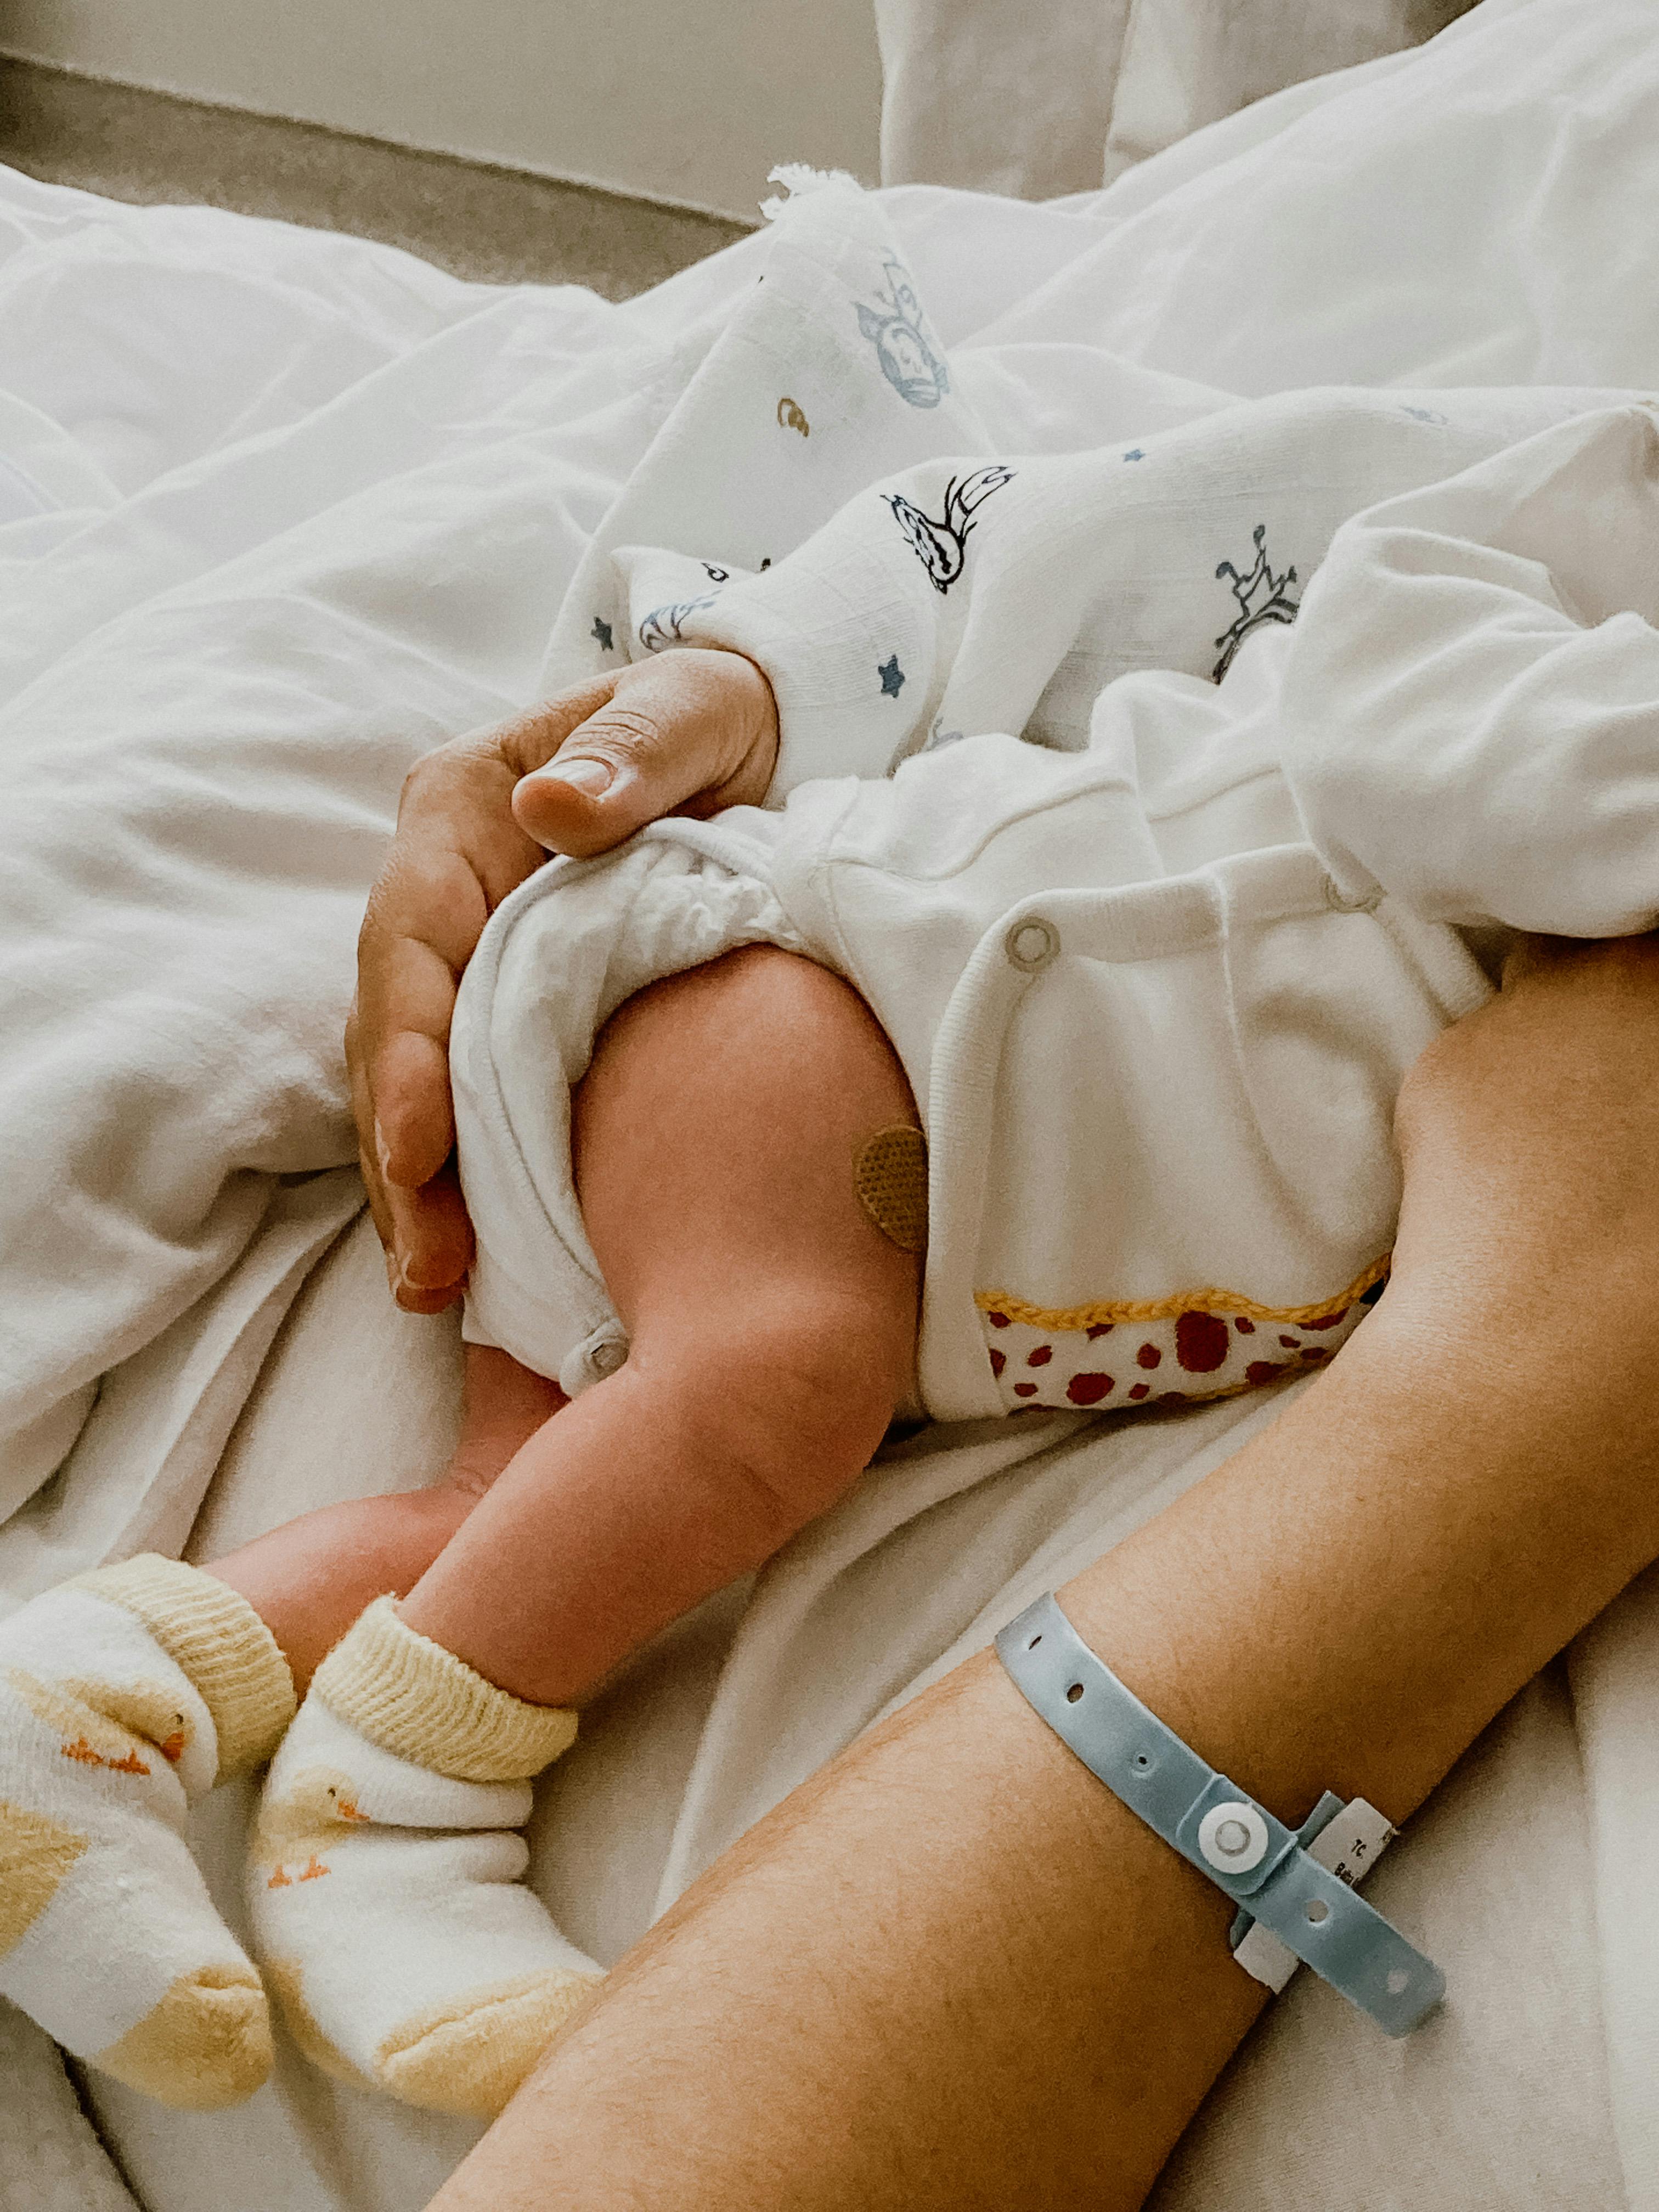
x=889, y=1173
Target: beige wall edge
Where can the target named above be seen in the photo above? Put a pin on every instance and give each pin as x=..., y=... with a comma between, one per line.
x=691, y=107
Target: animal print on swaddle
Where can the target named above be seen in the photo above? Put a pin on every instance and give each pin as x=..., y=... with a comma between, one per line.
x=828, y=378
x=904, y=347
x=941, y=546
x=1262, y=597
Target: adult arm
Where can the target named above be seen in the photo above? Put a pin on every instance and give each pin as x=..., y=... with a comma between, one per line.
x=952, y=1970
x=691, y=733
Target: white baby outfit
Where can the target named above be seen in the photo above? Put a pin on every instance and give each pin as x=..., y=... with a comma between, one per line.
x=1158, y=860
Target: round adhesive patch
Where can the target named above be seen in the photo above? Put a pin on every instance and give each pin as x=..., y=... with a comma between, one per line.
x=889, y=1173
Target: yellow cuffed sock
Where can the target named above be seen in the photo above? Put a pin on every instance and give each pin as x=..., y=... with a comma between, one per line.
x=412, y=1697
x=385, y=1884
x=214, y=1636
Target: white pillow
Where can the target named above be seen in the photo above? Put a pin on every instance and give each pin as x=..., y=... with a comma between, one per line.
x=1187, y=63
x=996, y=96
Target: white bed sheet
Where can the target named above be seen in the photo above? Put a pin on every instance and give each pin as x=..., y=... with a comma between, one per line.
x=299, y=508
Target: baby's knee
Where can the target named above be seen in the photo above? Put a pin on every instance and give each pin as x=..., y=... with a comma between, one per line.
x=793, y=1393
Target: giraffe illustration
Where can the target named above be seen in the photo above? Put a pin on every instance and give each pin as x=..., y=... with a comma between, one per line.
x=1262, y=597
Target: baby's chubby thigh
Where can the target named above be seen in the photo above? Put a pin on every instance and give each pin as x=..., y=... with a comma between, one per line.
x=751, y=1174
x=665, y=1112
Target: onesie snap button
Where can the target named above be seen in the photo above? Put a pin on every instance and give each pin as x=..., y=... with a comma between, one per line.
x=608, y=1355
x=1338, y=902
x=1031, y=944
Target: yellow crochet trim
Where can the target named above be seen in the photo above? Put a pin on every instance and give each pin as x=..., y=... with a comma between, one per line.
x=1208, y=1301
x=412, y=1697
x=213, y=1634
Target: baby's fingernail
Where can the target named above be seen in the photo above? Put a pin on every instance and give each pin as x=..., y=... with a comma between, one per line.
x=589, y=776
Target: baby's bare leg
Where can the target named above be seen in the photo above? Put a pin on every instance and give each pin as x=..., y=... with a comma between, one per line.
x=309, y=1579
x=715, y=1133
x=772, y=1327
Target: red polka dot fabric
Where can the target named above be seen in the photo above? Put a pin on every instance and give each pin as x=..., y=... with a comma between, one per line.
x=1193, y=1354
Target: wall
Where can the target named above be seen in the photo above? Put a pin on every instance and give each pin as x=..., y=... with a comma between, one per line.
x=689, y=101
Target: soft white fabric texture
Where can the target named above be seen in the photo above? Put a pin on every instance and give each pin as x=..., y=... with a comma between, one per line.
x=50, y=2159
x=1187, y=63
x=975, y=95
x=328, y=480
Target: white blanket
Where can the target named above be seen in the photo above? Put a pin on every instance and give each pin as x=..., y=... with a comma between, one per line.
x=288, y=508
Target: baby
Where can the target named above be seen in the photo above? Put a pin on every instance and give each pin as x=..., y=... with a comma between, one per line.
x=1151, y=998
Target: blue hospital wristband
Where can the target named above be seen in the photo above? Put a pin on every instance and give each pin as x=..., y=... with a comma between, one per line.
x=1259, y=1862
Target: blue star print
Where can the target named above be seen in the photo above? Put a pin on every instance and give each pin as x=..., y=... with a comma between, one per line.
x=892, y=678
x=1134, y=453
x=602, y=631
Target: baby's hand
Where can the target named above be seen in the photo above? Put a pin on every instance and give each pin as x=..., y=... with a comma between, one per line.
x=689, y=732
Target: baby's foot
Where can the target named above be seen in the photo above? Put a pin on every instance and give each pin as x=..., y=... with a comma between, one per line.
x=123, y=1698
x=384, y=1883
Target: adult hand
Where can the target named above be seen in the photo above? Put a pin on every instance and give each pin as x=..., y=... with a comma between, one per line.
x=689, y=733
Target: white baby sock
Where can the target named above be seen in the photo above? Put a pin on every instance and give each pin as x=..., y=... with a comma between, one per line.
x=384, y=1880
x=124, y=1696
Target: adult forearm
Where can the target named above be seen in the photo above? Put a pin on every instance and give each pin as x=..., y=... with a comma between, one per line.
x=953, y=1971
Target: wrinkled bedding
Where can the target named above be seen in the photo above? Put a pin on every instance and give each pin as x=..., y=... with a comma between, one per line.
x=278, y=512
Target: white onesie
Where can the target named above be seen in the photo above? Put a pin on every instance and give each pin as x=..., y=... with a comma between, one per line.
x=1156, y=966
x=1158, y=856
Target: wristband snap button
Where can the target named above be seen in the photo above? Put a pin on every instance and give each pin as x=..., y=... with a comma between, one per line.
x=1232, y=1837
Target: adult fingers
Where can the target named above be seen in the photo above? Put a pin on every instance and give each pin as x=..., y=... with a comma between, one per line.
x=425, y=1231
x=689, y=732
x=431, y=1249
x=457, y=853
